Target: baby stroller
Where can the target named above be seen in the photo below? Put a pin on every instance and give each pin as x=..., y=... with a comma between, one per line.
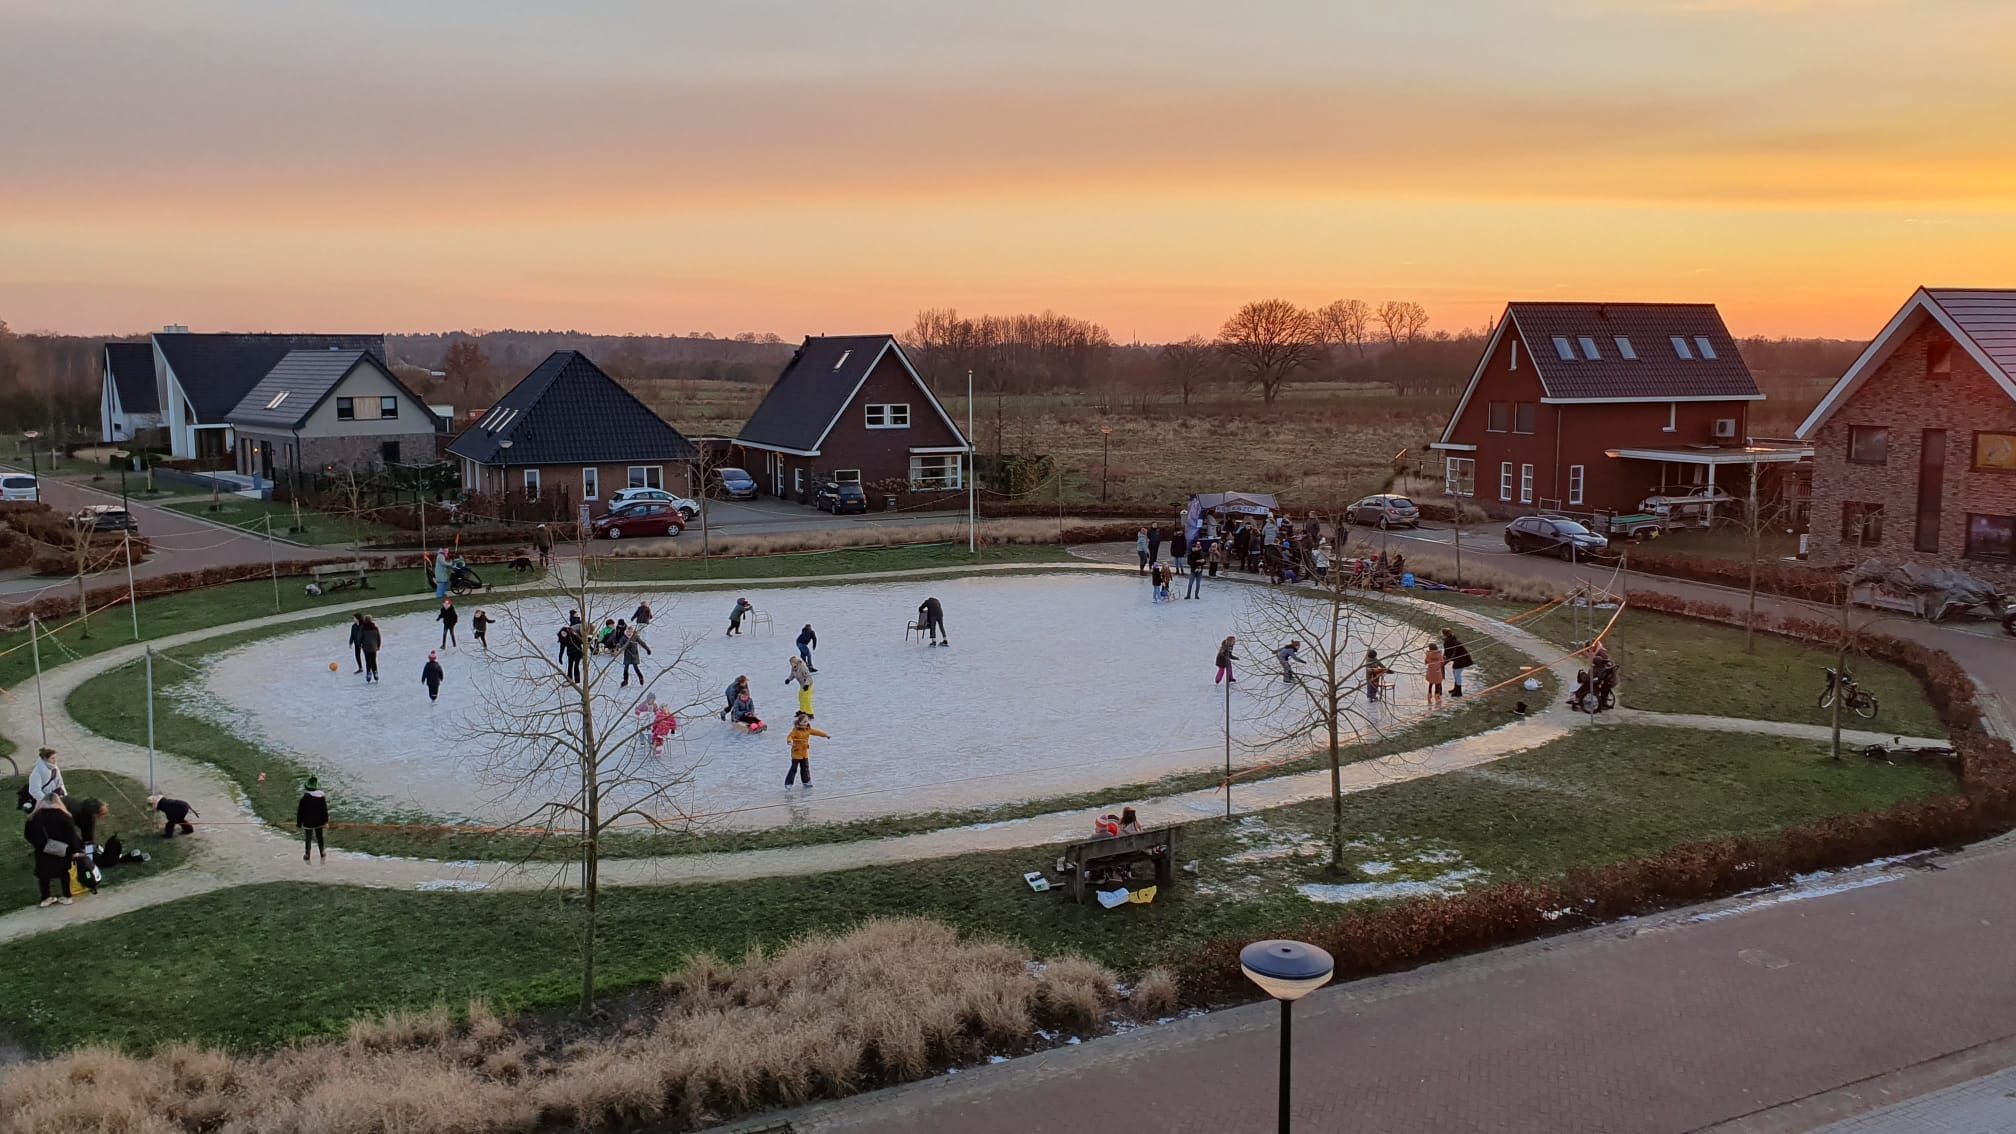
x=462, y=579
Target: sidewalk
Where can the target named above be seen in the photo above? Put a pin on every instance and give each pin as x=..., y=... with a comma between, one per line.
x=1728, y=1016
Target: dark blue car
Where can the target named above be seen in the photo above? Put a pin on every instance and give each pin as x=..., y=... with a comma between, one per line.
x=735, y=484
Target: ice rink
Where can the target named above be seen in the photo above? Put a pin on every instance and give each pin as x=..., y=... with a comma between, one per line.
x=1055, y=684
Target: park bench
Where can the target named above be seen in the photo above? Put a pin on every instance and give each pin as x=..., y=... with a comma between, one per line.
x=340, y=576
x=1123, y=852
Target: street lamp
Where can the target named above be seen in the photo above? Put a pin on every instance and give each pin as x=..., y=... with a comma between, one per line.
x=125, y=458
x=1286, y=971
x=1105, y=458
x=31, y=436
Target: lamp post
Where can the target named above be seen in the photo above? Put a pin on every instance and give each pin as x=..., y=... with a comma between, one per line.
x=1286, y=971
x=1105, y=458
x=31, y=436
x=125, y=458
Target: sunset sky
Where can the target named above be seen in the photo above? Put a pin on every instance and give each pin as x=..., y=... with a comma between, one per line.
x=397, y=165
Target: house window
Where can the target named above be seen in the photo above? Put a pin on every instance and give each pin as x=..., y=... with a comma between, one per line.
x=1991, y=537
x=1868, y=445
x=1523, y=417
x=847, y=476
x=1525, y=484
x=1680, y=347
x=892, y=416
x=1931, y=488
x=531, y=484
x=346, y=409
x=1563, y=348
x=929, y=471
x=388, y=452
x=1498, y=417
x=1861, y=524
x=1626, y=350
x=1995, y=452
x=798, y=481
x=1589, y=350
x=1505, y=481
x=1574, y=484
x=1706, y=348
x=647, y=476
x=1939, y=359
x=1672, y=417
x=1459, y=476
x=591, y=483
x=388, y=407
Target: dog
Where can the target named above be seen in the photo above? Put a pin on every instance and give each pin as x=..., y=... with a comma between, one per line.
x=522, y=565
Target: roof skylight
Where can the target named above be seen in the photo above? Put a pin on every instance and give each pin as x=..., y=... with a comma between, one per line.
x=1625, y=348
x=277, y=399
x=1589, y=350
x=1680, y=347
x=844, y=355
x=1702, y=344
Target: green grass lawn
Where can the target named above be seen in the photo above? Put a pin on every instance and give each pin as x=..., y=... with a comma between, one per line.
x=1671, y=664
x=611, y=568
x=322, y=528
x=1728, y=541
x=265, y=964
x=129, y=819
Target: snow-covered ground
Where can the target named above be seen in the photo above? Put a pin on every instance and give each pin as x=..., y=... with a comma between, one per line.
x=1056, y=684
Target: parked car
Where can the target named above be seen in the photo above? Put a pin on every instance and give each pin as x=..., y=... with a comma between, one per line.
x=1385, y=510
x=735, y=484
x=19, y=486
x=837, y=496
x=644, y=518
x=627, y=496
x=1555, y=535
x=105, y=518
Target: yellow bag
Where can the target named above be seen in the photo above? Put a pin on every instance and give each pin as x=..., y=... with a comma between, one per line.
x=76, y=887
x=1142, y=896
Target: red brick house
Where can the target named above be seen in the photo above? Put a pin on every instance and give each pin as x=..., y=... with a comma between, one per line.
x=1591, y=407
x=1915, y=446
x=853, y=408
x=568, y=433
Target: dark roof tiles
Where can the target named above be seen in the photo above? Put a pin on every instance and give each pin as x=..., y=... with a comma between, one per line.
x=1657, y=372
x=568, y=412
x=1988, y=317
x=814, y=387
x=216, y=371
x=132, y=367
x=306, y=377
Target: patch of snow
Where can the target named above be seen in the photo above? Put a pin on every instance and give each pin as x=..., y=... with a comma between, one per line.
x=455, y=885
x=1375, y=869
x=997, y=1059
x=1804, y=887
x=1440, y=886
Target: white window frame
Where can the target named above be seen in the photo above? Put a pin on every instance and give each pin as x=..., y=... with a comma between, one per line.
x=1525, y=484
x=591, y=483
x=847, y=476
x=1459, y=476
x=951, y=476
x=886, y=415
x=1505, y=481
x=645, y=476
x=798, y=481
x=1672, y=418
x=531, y=484
x=1575, y=476
x=1515, y=355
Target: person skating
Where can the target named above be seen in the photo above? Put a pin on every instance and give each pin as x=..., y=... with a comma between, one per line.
x=373, y=641
x=53, y=834
x=45, y=777
x=311, y=815
x=431, y=676
x=801, y=735
x=802, y=674
x=175, y=815
x=1288, y=655
x=1225, y=659
x=632, y=643
x=742, y=607
x=931, y=616
x=572, y=649
x=481, y=626
x=357, y=640
x=641, y=617
x=1458, y=658
x=448, y=617
x=808, y=640
x=1375, y=672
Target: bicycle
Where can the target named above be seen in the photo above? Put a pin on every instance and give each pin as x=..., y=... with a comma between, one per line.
x=1854, y=698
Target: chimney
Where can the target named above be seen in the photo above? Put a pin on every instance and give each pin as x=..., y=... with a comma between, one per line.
x=175, y=329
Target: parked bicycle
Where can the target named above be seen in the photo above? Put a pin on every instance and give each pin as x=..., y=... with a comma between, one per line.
x=1854, y=698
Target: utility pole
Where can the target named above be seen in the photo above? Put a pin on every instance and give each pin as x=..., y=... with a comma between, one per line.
x=35, y=647
x=273, y=562
x=132, y=595
x=150, y=720
x=1228, y=744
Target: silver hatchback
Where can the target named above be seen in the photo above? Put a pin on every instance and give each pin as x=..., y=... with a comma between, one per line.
x=1386, y=511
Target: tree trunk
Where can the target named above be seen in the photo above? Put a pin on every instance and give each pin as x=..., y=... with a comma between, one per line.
x=1756, y=549
x=1334, y=696
x=591, y=822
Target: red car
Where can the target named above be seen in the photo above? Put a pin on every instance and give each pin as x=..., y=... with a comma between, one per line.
x=645, y=518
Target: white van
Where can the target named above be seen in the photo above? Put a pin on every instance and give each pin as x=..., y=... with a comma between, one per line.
x=18, y=486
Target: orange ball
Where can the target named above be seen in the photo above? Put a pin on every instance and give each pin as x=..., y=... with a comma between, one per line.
x=333, y=667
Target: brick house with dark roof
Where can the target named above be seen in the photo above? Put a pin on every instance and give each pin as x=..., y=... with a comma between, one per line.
x=1915, y=445
x=1592, y=407
x=853, y=408
x=569, y=432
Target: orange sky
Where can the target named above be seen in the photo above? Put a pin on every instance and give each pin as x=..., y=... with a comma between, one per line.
x=735, y=165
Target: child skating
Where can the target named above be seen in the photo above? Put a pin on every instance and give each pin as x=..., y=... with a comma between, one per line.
x=1225, y=659
x=931, y=620
x=1288, y=655
x=481, y=625
x=808, y=640
x=742, y=607
x=801, y=735
x=802, y=674
x=431, y=676
x=447, y=618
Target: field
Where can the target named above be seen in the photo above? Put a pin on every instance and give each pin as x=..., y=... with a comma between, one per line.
x=321, y=528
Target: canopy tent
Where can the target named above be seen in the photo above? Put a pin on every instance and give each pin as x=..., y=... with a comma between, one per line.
x=1246, y=503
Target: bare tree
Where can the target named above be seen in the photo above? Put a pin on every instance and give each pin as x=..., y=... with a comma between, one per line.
x=1413, y=321
x=1346, y=322
x=466, y=371
x=1190, y=365
x=576, y=754
x=1270, y=340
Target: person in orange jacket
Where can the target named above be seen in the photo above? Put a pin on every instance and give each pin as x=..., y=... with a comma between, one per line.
x=801, y=735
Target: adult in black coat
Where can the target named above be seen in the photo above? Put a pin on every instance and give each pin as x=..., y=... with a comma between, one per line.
x=53, y=834
x=372, y=641
x=447, y=618
x=311, y=815
x=357, y=640
x=931, y=616
x=1154, y=545
x=571, y=650
x=1457, y=655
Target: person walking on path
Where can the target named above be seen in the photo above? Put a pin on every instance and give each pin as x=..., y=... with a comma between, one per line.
x=931, y=617
x=1141, y=548
x=441, y=574
x=57, y=844
x=1458, y=658
x=175, y=815
x=631, y=645
x=311, y=815
x=801, y=735
x=543, y=540
x=1154, y=545
x=808, y=640
x=1195, y=587
x=742, y=607
x=802, y=674
x=357, y=640
x=1225, y=659
x=372, y=640
x=448, y=618
x=481, y=625
x=1431, y=672
x=45, y=778
x=431, y=676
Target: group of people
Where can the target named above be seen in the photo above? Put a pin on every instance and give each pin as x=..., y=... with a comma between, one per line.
x=1446, y=655
x=739, y=704
x=62, y=831
x=1274, y=547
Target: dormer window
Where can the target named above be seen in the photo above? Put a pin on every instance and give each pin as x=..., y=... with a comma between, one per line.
x=1706, y=348
x=1589, y=350
x=1680, y=347
x=1563, y=348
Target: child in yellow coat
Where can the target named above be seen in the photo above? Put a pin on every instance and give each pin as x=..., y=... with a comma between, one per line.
x=800, y=736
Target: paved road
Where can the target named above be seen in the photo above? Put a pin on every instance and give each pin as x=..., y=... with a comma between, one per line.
x=1751, y=1015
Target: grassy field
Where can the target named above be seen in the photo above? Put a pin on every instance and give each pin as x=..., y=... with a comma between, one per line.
x=129, y=819
x=321, y=528
x=300, y=960
x=1729, y=541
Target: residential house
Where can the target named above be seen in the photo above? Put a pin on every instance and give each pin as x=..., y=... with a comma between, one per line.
x=129, y=403
x=852, y=408
x=1592, y=407
x=1915, y=445
x=329, y=410
x=569, y=429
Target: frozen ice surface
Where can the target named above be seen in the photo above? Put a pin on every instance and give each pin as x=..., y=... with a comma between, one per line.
x=1056, y=684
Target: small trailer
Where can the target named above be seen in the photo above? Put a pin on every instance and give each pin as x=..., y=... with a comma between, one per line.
x=1636, y=525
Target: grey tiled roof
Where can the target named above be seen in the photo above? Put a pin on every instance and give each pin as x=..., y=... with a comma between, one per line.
x=1657, y=372
x=1987, y=317
x=308, y=377
x=216, y=371
x=132, y=367
x=812, y=390
x=567, y=412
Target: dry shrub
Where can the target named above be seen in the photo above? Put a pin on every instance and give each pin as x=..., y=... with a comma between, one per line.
x=1155, y=995
x=1075, y=992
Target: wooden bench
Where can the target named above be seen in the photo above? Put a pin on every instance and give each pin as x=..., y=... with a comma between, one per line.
x=340, y=576
x=1157, y=847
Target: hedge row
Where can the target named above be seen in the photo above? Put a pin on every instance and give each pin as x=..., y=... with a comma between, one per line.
x=1793, y=580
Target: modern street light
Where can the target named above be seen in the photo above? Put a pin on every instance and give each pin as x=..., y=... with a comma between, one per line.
x=31, y=436
x=1105, y=458
x=1286, y=971
x=125, y=459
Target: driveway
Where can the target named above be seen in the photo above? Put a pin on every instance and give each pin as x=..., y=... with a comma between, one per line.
x=769, y=516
